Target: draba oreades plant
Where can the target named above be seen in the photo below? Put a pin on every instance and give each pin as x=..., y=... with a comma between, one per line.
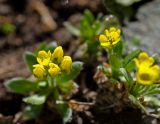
x=90, y=28
x=52, y=84
x=137, y=73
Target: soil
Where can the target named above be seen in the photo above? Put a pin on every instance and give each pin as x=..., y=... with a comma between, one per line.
x=31, y=29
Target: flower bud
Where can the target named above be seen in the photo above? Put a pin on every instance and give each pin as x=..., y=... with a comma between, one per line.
x=39, y=70
x=44, y=57
x=57, y=55
x=53, y=69
x=66, y=64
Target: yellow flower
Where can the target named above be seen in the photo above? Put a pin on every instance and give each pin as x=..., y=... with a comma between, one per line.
x=66, y=64
x=57, y=55
x=53, y=70
x=44, y=57
x=144, y=59
x=111, y=37
x=147, y=72
x=39, y=70
x=147, y=75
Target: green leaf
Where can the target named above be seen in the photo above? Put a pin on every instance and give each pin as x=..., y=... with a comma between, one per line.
x=76, y=68
x=7, y=28
x=51, y=46
x=101, y=28
x=89, y=17
x=152, y=100
x=67, y=117
x=131, y=56
x=42, y=84
x=21, y=85
x=86, y=30
x=65, y=112
x=111, y=21
x=45, y=46
x=30, y=59
x=143, y=89
x=73, y=30
x=31, y=112
x=67, y=87
x=96, y=27
x=42, y=46
x=115, y=62
x=127, y=76
x=118, y=49
x=136, y=89
x=130, y=66
x=153, y=91
x=36, y=99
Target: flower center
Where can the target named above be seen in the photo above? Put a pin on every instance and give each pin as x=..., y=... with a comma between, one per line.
x=145, y=76
x=112, y=37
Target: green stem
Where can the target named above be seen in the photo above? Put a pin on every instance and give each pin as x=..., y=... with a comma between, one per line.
x=55, y=89
x=49, y=81
x=110, y=53
x=52, y=84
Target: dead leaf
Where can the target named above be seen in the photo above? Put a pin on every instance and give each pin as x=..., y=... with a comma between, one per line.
x=80, y=106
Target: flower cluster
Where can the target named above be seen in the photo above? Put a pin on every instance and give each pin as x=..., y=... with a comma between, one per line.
x=111, y=37
x=52, y=63
x=148, y=72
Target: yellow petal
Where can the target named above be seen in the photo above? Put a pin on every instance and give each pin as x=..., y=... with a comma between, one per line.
x=150, y=61
x=116, y=41
x=44, y=57
x=156, y=68
x=106, y=45
x=53, y=70
x=66, y=64
x=57, y=55
x=155, y=71
x=102, y=38
x=144, y=75
x=118, y=31
x=147, y=62
x=143, y=80
x=106, y=32
x=143, y=56
x=39, y=70
x=52, y=65
x=144, y=59
x=147, y=75
x=112, y=29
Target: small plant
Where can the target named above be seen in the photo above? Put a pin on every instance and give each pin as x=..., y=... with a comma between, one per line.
x=7, y=28
x=137, y=73
x=90, y=28
x=53, y=84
